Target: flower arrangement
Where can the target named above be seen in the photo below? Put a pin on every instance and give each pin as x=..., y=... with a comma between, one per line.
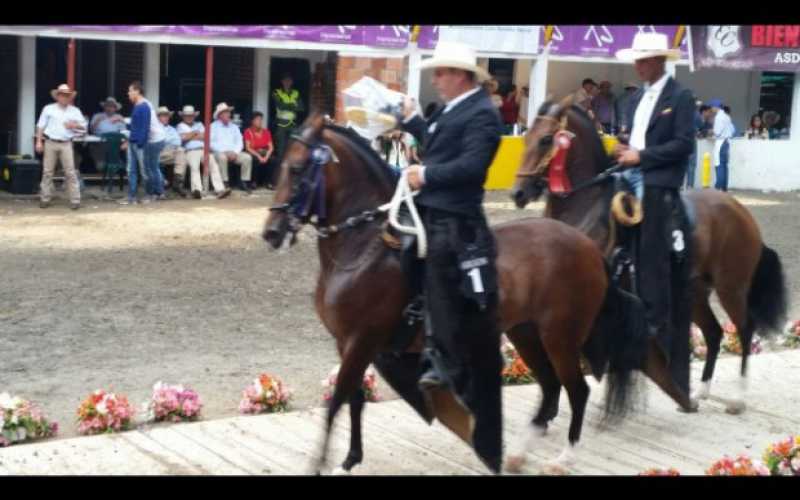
x=21, y=420
x=515, y=371
x=661, y=472
x=740, y=466
x=267, y=394
x=369, y=385
x=104, y=412
x=783, y=458
x=173, y=403
x=697, y=343
x=730, y=340
x=792, y=334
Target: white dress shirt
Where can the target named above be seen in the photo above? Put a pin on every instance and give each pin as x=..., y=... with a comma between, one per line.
x=185, y=128
x=226, y=138
x=723, y=130
x=644, y=111
x=53, y=118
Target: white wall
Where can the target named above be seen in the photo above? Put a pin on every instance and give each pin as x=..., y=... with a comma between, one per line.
x=565, y=77
x=738, y=89
x=764, y=165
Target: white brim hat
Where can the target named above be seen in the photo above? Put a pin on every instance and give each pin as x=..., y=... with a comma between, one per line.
x=163, y=110
x=110, y=101
x=63, y=89
x=188, y=111
x=455, y=55
x=647, y=45
x=220, y=108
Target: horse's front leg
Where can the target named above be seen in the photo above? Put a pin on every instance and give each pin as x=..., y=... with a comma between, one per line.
x=356, y=453
x=357, y=355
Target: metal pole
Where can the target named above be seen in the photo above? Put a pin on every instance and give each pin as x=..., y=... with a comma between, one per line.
x=207, y=118
x=71, y=63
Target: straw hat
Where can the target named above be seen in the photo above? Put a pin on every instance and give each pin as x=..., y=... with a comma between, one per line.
x=110, y=101
x=188, y=110
x=63, y=89
x=647, y=45
x=163, y=110
x=455, y=55
x=220, y=108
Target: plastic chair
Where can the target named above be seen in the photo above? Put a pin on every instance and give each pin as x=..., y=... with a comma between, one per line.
x=114, y=163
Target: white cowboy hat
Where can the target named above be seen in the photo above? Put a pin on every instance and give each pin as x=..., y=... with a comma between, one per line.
x=163, y=110
x=220, y=108
x=188, y=110
x=455, y=55
x=63, y=89
x=649, y=45
x=111, y=101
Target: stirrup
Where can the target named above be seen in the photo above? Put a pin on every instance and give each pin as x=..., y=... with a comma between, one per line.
x=415, y=311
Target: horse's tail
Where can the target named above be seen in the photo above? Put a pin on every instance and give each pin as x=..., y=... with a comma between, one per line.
x=766, y=300
x=624, y=330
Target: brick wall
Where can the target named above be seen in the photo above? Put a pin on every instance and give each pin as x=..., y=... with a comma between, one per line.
x=233, y=78
x=323, y=86
x=389, y=71
x=129, y=67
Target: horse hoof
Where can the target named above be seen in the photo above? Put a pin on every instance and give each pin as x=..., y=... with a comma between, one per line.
x=555, y=469
x=735, y=408
x=700, y=395
x=514, y=463
x=340, y=471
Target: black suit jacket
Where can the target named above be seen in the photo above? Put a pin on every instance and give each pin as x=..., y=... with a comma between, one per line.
x=458, y=148
x=670, y=136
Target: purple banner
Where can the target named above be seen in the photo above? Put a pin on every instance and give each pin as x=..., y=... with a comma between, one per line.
x=604, y=41
x=428, y=36
x=757, y=47
x=388, y=36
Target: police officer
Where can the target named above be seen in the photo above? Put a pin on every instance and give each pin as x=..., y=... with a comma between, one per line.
x=460, y=140
x=661, y=125
x=287, y=107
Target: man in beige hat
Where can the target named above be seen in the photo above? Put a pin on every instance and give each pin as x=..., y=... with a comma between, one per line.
x=58, y=124
x=107, y=121
x=228, y=146
x=459, y=142
x=192, y=136
x=661, y=124
x=173, y=153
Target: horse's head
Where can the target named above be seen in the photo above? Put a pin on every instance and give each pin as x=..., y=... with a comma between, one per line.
x=543, y=141
x=297, y=195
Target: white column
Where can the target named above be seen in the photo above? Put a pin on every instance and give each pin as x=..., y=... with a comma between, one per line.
x=152, y=72
x=261, y=83
x=538, y=87
x=26, y=107
x=414, y=74
x=794, y=127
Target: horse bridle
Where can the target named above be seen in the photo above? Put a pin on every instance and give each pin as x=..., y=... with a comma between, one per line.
x=307, y=197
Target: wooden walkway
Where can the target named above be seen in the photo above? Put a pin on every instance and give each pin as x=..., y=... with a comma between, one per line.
x=397, y=441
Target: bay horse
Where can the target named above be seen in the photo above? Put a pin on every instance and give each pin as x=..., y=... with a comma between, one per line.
x=556, y=302
x=729, y=254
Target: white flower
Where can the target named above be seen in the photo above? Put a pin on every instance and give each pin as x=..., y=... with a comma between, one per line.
x=14, y=419
x=6, y=401
x=21, y=434
x=2, y=420
x=795, y=463
x=101, y=407
x=269, y=394
x=259, y=388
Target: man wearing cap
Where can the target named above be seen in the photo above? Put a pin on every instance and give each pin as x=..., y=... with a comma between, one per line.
x=287, y=107
x=722, y=131
x=192, y=136
x=661, y=124
x=108, y=121
x=460, y=278
x=228, y=146
x=58, y=124
x=173, y=153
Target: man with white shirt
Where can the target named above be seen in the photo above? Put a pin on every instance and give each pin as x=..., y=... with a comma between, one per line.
x=173, y=152
x=661, y=124
x=723, y=131
x=58, y=124
x=192, y=135
x=460, y=278
x=228, y=146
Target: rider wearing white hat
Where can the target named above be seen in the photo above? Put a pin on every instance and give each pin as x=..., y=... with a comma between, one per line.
x=661, y=124
x=460, y=140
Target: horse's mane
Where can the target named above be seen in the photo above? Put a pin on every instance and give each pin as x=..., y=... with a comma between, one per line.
x=599, y=155
x=375, y=164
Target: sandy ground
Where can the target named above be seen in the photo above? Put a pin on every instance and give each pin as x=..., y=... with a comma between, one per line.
x=186, y=291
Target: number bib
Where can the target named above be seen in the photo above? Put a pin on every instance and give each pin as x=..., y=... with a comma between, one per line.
x=478, y=274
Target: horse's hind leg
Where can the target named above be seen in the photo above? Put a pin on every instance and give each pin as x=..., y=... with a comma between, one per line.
x=712, y=333
x=734, y=301
x=530, y=348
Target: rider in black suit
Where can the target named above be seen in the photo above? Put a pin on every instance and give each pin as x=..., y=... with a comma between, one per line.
x=459, y=142
x=660, y=145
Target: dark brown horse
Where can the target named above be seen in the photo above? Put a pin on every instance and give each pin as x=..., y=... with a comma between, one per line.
x=555, y=300
x=728, y=253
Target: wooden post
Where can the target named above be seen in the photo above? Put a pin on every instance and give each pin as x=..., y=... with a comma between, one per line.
x=71, y=63
x=207, y=118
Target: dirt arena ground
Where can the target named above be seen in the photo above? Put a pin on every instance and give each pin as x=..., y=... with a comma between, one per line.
x=186, y=291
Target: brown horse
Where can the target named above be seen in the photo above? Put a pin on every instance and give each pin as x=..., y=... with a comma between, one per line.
x=728, y=253
x=556, y=302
